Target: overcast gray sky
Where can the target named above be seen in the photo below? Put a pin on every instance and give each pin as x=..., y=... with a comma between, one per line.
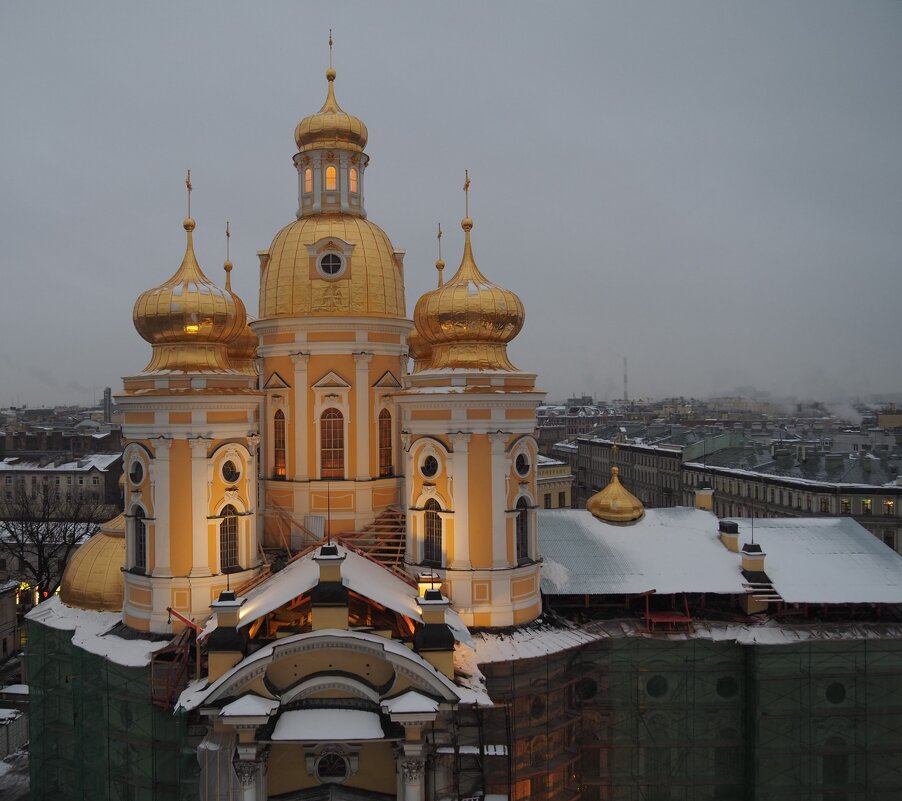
x=711, y=189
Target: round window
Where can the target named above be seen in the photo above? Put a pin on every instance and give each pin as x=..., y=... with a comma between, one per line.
x=727, y=686
x=230, y=472
x=656, y=686
x=136, y=474
x=522, y=464
x=331, y=264
x=835, y=693
x=332, y=767
x=429, y=467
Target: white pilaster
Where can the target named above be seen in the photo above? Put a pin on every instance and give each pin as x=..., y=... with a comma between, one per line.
x=362, y=397
x=161, y=566
x=498, y=441
x=301, y=466
x=460, y=500
x=199, y=502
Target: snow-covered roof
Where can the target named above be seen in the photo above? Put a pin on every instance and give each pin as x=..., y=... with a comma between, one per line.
x=667, y=550
x=249, y=706
x=362, y=575
x=15, y=689
x=91, y=632
x=324, y=725
x=93, y=461
x=410, y=702
x=8, y=715
x=826, y=560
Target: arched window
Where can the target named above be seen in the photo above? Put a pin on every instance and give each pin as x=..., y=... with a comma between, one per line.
x=278, y=444
x=352, y=179
x=308, y=180
x=331, y=178
x=140, y=539
x=385, y=451
x=332, y=444
x=228, y=538
x=432, y=534
x=522, y=530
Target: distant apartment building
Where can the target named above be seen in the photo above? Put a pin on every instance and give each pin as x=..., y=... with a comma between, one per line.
x=554, y=483
x=94, y=478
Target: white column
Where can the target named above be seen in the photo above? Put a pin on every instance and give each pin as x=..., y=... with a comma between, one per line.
x=199, y=503
x=407, y=468
x=256, y=531
x=499, y=440
x=460, y=500
x=363, y=413
x=161, y=533
x=301, y=467
x=412, y=771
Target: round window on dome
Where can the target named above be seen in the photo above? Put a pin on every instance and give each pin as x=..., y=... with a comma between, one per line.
x=429, y=468
x=230, y=472
x=331, y=265
x=136, y=473
x=522, y=464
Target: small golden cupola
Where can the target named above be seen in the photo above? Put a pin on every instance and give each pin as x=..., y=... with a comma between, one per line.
x=188, y=320
x=615, y=503
x=93, y=576
x=242, y=349
x=331, y=126
x=420, y=350
x=468, y=321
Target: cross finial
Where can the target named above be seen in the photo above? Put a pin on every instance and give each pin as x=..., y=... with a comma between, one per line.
x=188, y=185
x=330, y=48
x=228, y=237
x=439, y=241
x=467, y=192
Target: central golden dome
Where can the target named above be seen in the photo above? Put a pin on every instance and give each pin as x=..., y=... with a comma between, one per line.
x=469, y=320
x=93, y=577
x=330, y=126
x=372, y=284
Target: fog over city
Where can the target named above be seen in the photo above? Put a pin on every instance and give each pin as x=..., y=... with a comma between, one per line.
x=711, y=190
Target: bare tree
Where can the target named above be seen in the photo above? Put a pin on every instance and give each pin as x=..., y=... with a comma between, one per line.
x=40, y=529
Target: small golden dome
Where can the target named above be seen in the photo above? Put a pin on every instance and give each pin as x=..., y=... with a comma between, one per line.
x=331, y=126
x=420, y=351
x=372, y=286
x=615, y=503
x=468, y=321
x=243, y=348
x=188, y=319
x=93, y=577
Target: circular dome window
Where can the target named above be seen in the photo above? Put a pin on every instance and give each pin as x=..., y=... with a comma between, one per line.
x=331, y=265
x=429, y=467
x=522, y=464
x=136, y=474
x=230, y=472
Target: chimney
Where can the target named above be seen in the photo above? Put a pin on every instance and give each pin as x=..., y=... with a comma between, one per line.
x=729, y=535
x=329, y=598
x=704, y=499
x=753, y=571
x=433, y=638
x=226, y=646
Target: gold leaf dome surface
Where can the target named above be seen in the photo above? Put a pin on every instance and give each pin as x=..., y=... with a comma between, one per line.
x=469, y=320
x=242, y=351
x=93, y=577
x=420, y=351
x=615, y=503
x=188, y=319
x=372, y=285
x=331, y=126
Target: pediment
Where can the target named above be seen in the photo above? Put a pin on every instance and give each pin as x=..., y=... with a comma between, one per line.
x=388, y=381
x=275, y=381
x=331, y=380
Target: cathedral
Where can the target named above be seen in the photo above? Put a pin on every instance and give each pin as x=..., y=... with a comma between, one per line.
x=328, y=581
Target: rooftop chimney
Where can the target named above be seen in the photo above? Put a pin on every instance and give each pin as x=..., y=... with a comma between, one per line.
x=329, y=598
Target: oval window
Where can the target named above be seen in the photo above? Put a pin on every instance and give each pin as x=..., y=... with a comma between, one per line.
x=136, y=474
x=522, y=464
x=230, y=472
x=430, y=466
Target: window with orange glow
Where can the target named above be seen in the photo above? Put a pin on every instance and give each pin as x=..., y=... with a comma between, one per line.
x=332, y=444
x=432, y=537
x=278, y=448
x=228, y=538
x=308, y=180
x=352, y=180
x=385, y=450
x=331, y=178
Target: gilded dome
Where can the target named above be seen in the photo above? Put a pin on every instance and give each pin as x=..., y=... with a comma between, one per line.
x=188, y=319
x=615, y=503
x=243, y=348
x=330, y=126
x=370, y=284
x=469, y=320
x=93, y=577
x=420, y=351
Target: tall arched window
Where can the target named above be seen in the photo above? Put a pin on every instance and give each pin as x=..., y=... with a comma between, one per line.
x=278, y=444
x=331, y=178
x=352, y=179
x=140, y=539
x=228, y=538
x=308, y=180
x=332, y=444
x=432, y=534
x=385, y=451
x=522, y=530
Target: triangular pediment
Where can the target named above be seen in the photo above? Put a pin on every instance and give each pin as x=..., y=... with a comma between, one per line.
x=331, y=379
x=388, y=381
x=275, y=381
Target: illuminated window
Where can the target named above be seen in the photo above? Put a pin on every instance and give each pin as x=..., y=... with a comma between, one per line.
x=331, y=178
x=889, y=507
x=332, y=444
x=308, y=180
x=352, y=180
x=228, y=538
x=522, y=531
x=140, y=539
x=278, y=447
x=867, y=506
x=845, y=506
x=385, y=450
x=432, y=539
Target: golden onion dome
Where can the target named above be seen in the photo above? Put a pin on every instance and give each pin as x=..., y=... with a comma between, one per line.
x=243, y=348
x=371, y=283
x=615, y=503
x=330, y=126
x=93, y=576
x=189, y=320
x=420, y=351
x=468, y=321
